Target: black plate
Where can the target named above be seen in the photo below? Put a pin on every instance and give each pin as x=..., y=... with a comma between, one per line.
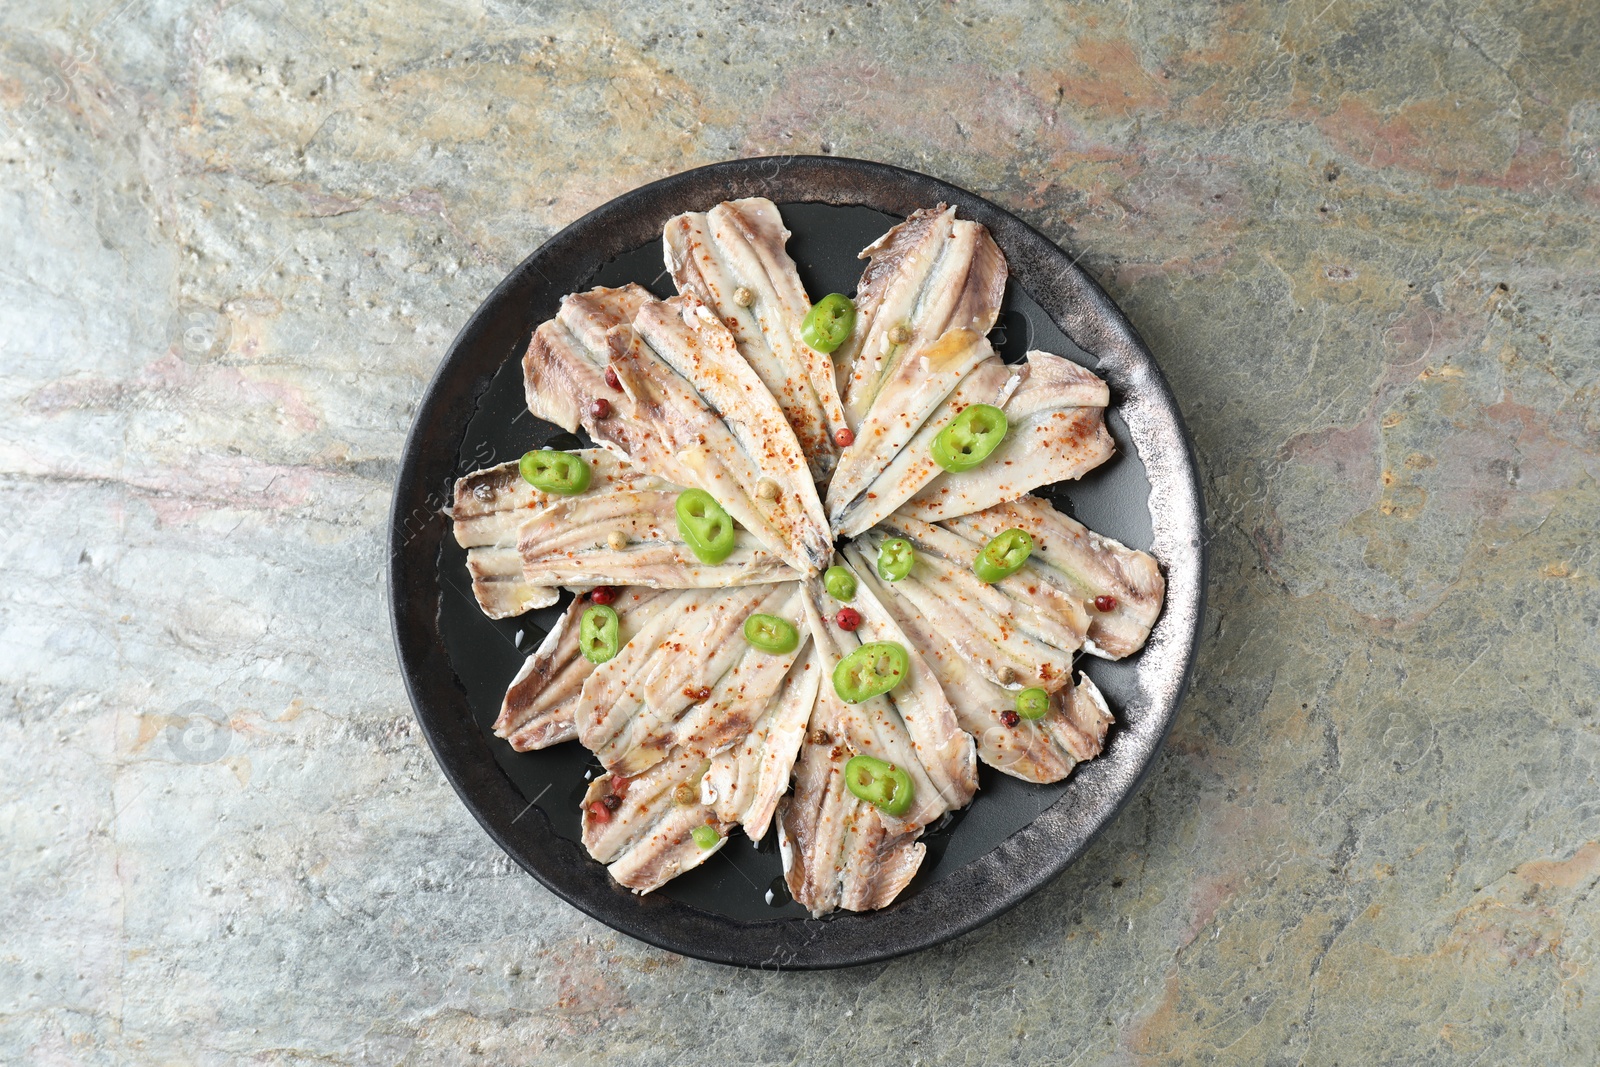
x=457, y=663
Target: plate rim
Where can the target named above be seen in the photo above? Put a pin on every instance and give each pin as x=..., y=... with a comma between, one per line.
x=968, y=897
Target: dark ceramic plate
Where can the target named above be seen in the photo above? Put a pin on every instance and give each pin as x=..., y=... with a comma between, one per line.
x=1015, y=837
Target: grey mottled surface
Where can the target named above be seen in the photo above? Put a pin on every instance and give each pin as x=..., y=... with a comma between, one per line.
x=1360, y=238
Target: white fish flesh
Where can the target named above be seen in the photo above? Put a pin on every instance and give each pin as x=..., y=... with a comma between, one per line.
x=913, y=390
x=745, y=782
x=1035, y=750
x=990, y=382
x=642, y=828
x=738, y=245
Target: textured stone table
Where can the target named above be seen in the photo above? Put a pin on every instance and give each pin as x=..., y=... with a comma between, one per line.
x=1359, y=237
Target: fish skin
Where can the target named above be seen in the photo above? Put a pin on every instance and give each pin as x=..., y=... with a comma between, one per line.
x=990, y=382
x=915, y=388
x=741, y=243
x=1081, y=564
x=565, y=543
x=489, y=508
x=746, y=781
x=1056, y=433
x=537, y=710
x=931, y=273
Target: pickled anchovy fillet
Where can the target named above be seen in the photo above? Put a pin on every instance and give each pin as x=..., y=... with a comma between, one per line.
x=647, y=838
x=537, y=711
x=641, y=704
x=930, y=274
x=990, y=382
x=1056, y=433
x=740, y=244
x=916, y=386
x=838, y=850
x=1038, y=750
x=1007, y=641
x=1075, y=563
x=745, y=782
x=564, y=374
x=490, y=507
x=722, y=701
x=723, y=430
x=631, y=538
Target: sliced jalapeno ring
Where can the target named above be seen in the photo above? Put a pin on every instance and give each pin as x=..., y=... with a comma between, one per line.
x=599, y=633
x=840, y=583
x=1033, y=703
x=772, y=634
x=829, y=322
x=1003, y=556
x=970, y=438
x=870, y=671
x=880, y=784
x=561, y=473
x=895, y=558
x=704, y=526
x=705, y=835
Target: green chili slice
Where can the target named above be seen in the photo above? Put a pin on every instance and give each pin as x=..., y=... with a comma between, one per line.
x=895, y=558
x=769, y=633
x=878, y=783
x=1003, y=556
x=705, y=835
x=1033, y=703
x=704, y=525
x=829, y=322
x=870, y=671
x=556, y=472
x=970, y=438
x=599, y=633
x=840, y=583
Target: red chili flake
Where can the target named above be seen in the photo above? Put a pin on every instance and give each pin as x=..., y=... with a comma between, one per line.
x=598, y=811
x=845, y=438
x=1105, y=602
x=697, y=695
x=611, y=379
x=619, y=786
x=611, y=801
x=603, y=594
x=848, y=618
x=600, y=409
x=1009, y=718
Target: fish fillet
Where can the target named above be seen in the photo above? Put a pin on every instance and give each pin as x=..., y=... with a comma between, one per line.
x=569, y=542
x=740, y=244
x=491, y=505
x=1056, y=433
x=1080, y=564
x=723, y=430
x=929, y=274
x=537, y=711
